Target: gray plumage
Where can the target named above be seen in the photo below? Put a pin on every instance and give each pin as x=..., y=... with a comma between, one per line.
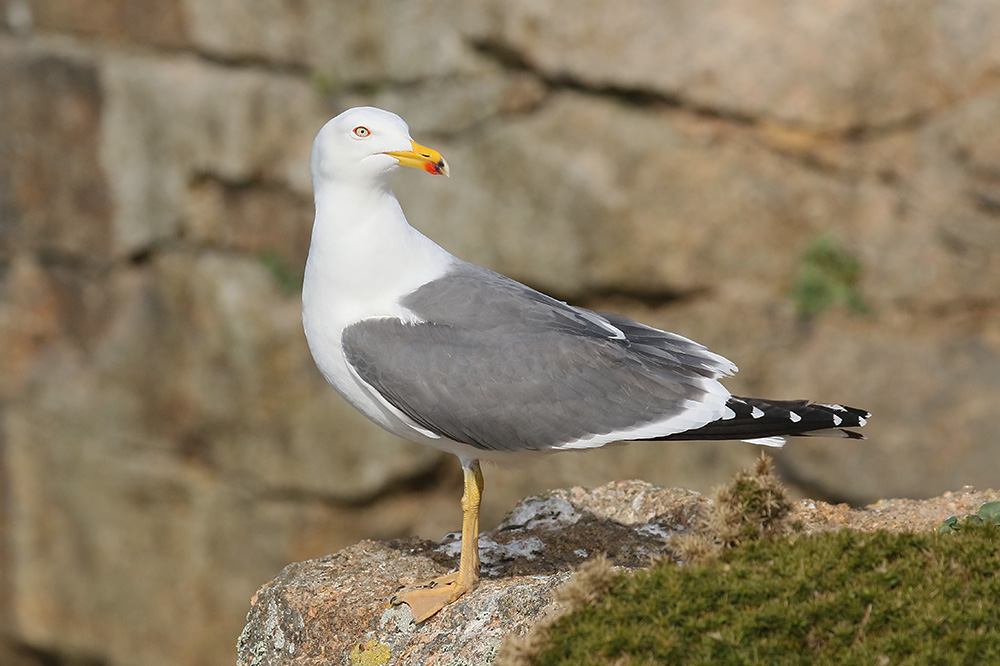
x=497, y=365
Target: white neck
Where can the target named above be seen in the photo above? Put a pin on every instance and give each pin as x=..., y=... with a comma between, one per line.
x=363, y=257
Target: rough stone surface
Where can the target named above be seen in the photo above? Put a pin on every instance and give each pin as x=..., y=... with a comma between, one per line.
x=51, y=171
x=334, y=610
x=114, y=21
x=159, y=413
x=895, y=60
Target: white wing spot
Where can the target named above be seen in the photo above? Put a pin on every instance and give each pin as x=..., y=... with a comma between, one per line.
x=776, y=442
x=756, y=413
x=794, y=417
x=837, y=420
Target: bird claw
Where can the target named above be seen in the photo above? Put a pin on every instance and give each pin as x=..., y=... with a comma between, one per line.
x=426, y=599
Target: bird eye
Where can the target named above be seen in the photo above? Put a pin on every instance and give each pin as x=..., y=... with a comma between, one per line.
x=361, y=131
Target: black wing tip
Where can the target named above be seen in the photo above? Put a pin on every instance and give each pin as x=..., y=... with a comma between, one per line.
x=838, y=408
x=758, y=418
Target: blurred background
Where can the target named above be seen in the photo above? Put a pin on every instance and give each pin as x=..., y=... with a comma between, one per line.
x=810, y=189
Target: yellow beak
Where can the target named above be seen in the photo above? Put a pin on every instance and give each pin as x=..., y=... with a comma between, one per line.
x=422, y=157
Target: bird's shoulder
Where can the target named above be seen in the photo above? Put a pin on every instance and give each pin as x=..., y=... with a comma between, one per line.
x=469, y=298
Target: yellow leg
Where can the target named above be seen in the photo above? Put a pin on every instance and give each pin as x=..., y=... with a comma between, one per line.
x=428, y=598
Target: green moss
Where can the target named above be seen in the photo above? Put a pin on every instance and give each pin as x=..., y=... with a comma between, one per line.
x=836, y=598
x=827, y=275
x=324, y=82
x=288, y=279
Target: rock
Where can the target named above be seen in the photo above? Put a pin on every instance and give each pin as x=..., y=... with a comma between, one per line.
x=636, y=211
x=264, y=220
x=324, y=611
x=114, y=21
x=347, y=44
x=334, y=610
x=758, y=59
x=153, y=161
x=50, y=171
x=932, y=368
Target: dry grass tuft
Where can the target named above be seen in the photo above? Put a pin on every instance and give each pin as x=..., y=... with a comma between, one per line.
x=752, y=506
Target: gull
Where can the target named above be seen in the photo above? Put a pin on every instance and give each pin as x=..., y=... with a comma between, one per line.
x=452, y=355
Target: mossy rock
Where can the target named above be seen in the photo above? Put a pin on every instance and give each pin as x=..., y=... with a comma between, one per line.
x=836, y=598
x=827, y=275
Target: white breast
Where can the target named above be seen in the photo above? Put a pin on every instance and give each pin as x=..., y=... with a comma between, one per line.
x=360, y=267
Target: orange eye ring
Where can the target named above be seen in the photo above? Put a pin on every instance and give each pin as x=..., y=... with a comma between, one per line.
x=362, y=131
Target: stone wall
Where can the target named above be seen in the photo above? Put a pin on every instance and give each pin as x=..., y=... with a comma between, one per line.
x=165, y=442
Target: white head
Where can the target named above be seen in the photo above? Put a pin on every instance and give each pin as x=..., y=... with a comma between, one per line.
x=367, y=144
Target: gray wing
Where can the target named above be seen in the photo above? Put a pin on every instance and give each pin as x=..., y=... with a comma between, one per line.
x=499, y=366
